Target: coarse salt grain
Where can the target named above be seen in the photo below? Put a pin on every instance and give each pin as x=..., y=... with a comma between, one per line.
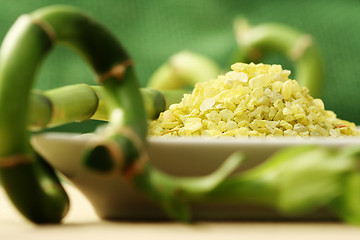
x=207, y=104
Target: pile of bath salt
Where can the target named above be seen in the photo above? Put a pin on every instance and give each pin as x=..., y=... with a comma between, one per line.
x=251, y=100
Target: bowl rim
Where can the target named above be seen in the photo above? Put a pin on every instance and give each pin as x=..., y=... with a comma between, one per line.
x=169, y=140
x=201, y=140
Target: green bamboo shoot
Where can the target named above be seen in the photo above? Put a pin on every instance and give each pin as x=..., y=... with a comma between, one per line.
x=300, y=48
x=81, y=102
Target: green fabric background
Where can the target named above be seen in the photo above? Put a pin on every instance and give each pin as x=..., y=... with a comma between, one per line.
x=152, y=30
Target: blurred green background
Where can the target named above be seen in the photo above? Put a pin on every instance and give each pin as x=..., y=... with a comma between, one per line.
x=153, y=30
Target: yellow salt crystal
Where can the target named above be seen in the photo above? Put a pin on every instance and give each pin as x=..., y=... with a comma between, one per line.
x=259, y=81
x=290, y=133
x=230, y=105
x=287, y=89
x=242, y=131
x=239, y=67
x=169, y=125
x=209, y=124
x=287, y=111
x=276, y=86
x=231, y=125
x=285, y=124
x=207, y=104
x=233, y=77
x=257, y=92
x=243, y=123
x=226, y=114
x=214, y=116
x=192, y=120
x=279, y=104
x=319, y=103
x=222, y=126
x=168, y=116
x=213, y=132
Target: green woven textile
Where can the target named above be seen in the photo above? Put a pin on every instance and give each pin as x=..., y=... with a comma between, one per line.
x=153, y=30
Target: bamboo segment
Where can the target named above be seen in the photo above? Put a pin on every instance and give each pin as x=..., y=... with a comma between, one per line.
x=80, y=102
x=300, y=48
x=183, y=70
x=62, y=105
x=154, y=102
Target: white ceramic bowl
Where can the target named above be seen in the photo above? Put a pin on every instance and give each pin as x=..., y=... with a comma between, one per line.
x=114, y=198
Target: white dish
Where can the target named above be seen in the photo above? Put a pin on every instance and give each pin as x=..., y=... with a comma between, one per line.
x=114, y=198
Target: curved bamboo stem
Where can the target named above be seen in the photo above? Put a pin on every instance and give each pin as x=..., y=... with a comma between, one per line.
x=183, y=70
x=23, y=49
x=300, y=48
x=21, y=174
x=81, y=102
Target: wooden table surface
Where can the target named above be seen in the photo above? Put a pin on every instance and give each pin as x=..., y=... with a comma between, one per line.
x=82, y=223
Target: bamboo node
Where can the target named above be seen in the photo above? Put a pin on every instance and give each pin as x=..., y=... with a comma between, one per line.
x=97, y=100
x=116, y=71
x=15, y=160
x=130, y=134
x=46, y=27
x=136, y=167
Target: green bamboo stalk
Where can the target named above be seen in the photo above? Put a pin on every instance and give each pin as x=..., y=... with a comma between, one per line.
x=81, y=102
x=183, y=70
x=23, y=49
x=20, y=170
x=63, y=105
x=255, y=41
